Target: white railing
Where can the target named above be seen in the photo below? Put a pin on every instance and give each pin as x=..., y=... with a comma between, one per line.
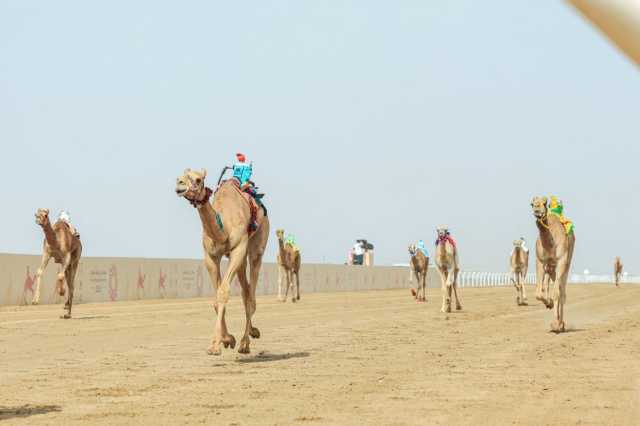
x=503, y=279
x=489, y=279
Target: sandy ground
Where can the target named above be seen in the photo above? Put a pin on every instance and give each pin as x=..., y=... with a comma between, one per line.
x=341, y=358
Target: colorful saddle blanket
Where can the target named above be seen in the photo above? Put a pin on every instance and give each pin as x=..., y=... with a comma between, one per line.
x=569, y=227
x=256, y=207
x=446, y=238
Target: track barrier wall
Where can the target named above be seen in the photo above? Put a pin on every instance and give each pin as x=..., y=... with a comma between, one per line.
x=117, y=279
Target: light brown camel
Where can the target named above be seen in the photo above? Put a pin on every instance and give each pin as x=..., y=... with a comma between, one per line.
x=554, y=251
x=65, y=249
x=419, y=266
x=448, y=267
x=519, y=267
x=225, y=224
x=288, y=268
x=617, y=271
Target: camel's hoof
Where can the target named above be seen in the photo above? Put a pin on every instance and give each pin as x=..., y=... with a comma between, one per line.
x=244, y=349
x=293, y=300
x=298, y=298
x=213, y=351
x=34, y=303
x=229, y=342
x=458, y=307
x=557, y=327
x=550, y=304
x=255, y=333
x=65, y=316
x=413, y=293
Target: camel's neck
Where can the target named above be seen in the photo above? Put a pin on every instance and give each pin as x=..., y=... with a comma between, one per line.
x=211, y=223
x=544, y=228
x=281, y=246
x=50, y=236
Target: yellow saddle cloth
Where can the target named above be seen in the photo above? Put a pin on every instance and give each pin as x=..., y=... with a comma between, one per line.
x=569, y=227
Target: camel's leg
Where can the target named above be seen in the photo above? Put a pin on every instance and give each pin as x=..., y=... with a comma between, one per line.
x=70, y=277
x=286, y=283
x=560, y=294
x=62, y=275
x=455, y=288
x=255, y=262
x=43, y=265
x=246, y=300
x=550, y=280
x=523, y=290
x=424, y=286
x=514, y=280
x=446, y=302
x=237, y=258
x=213, y=267
x=292, y=285
x=542, y=283
x=297, y=284
x=281, y=276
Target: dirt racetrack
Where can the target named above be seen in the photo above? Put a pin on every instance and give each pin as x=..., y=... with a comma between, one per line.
x=340, y=358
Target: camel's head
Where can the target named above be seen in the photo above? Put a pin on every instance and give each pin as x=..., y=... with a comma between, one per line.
x=539, y=207
x=442, y=231
x=190, y=184
x=517, y=243
x=42, y=216
x=412, y=249
x=280, y=234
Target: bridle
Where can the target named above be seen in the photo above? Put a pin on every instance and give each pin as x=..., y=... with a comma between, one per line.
x=193, y=188
x=541, y=220
x=199, y=203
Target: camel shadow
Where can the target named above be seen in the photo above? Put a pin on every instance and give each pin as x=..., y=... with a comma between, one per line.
x=268, y=357
x=27, y=410
x=568, y=330
x=90, y=317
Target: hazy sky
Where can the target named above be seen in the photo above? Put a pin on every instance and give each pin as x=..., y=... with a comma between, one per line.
x=364, y=119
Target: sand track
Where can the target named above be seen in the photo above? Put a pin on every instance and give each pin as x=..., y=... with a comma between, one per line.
x=341, y=358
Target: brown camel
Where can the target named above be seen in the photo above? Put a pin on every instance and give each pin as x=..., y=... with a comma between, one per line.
x=448, y=267
x=226, y=232
x=65, y=248
x=288, y=268
x=554, y=251
x=419, y=266
x=617, y=271
x=519, y=267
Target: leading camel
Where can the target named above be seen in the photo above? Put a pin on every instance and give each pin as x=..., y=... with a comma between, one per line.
x=617, y=271
x=448, y=267
x=519, y=266
x=554, y=251
x=226, y=232
x=65, y=248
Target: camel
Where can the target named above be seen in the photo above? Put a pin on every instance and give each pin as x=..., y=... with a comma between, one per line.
x=419, y=266
x=448, y=268
x=29, y=281
x=226, y=226
x=617, y=271
x=288, y=268
x=65, y=248
x=554, y=251
x=519, y=266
